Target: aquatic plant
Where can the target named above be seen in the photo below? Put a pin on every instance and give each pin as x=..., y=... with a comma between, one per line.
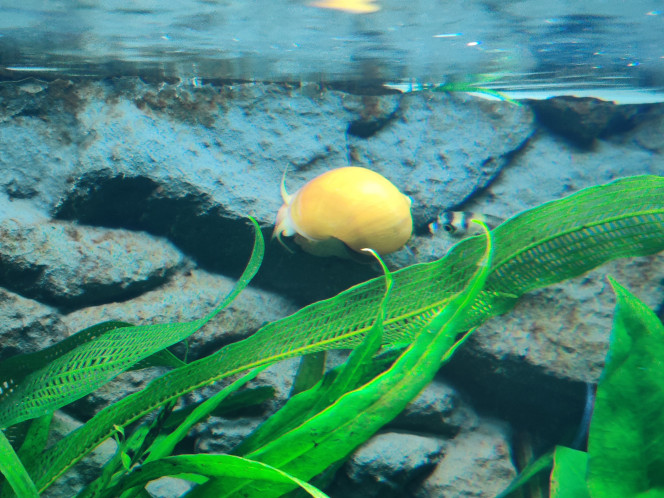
x=423, y=310
x=472, y=84
x=625, y=451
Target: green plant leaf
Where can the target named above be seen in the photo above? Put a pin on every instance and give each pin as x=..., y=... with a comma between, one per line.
x=337, y=382
x=166, y=445
x=213, y=466
x=359, y=362
x=459, y=86
x=558, y=240
x=32, y=446
x=310, y=371
x=236, y=402
x=334, y=433
x=113, y=348
x=626, y=440
x=13, y=470
x=545, y=462
x=568, y=478
x=36, y=438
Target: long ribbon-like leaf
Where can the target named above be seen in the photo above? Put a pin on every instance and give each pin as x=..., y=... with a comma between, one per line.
x=108, y=352
x=216, y=466
x=547, y=244
x=13, y=470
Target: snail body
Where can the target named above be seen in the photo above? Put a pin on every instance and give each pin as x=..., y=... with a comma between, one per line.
x=353, y=206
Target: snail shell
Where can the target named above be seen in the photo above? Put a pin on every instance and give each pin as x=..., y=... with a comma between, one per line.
x=356, y=206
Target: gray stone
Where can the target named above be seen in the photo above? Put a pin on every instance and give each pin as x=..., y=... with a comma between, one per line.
x=649, y=136
x=444, y=148
x=583, y=120
x=40, y=139
x=476, y=463
x=563, y=331
x=550, y=168
x=387, y=465
x=129, y=172
x=222, y=435
x=27, y=326
x=169, y=487
x=71, y=266
x=438, y=409
x=123, y=169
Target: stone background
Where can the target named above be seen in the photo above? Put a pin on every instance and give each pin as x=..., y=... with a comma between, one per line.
x=122, y=199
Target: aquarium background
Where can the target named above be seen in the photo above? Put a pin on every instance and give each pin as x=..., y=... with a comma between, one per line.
x=137, y=137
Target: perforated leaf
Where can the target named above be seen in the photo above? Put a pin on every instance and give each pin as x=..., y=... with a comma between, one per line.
x=333, y=433
x=551, y=243
x=97, y=355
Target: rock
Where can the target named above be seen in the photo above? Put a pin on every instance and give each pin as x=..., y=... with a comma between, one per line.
x=550, y=168
x=564, y=330
x=27, y=326
x=38, y=154
x=444, y=148
x=438, y=409
x=131, y=173
x=222, y=435
x=476, y=463
x=387, y=466
x=541, y=353
x=583, y=120
x=169, y=487
x=649, y=134
x=398, y=463
x=68, y=265
x=123, y=169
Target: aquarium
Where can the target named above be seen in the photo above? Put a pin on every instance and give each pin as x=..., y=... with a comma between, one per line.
x=344, y=248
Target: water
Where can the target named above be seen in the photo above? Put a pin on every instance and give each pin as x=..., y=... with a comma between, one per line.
x=528, y=47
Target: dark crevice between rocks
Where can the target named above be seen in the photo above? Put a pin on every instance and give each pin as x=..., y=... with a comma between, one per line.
x=510, y=389
x=217, y=240
x=25, y=282
x=20, y=280
x=660, y=313
x=104, y=199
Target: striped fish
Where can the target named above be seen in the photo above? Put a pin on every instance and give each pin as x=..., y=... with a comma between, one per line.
x=458, y=223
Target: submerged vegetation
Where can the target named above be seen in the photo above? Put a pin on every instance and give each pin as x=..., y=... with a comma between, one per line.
x=625, y=449
x=401, y=326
